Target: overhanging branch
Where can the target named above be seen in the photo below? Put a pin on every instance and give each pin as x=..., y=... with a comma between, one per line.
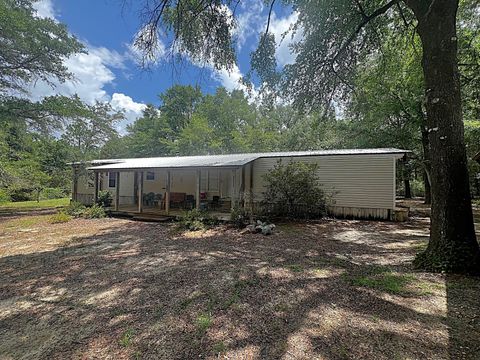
x=366, y=19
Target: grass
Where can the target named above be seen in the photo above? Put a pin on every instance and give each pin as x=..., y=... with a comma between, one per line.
x=24, y=222
x=203, y=322
x=127, y=338
x=295, y=267
x=219, y=348
x=34, y=205
x=388, y=282
x=59, y=218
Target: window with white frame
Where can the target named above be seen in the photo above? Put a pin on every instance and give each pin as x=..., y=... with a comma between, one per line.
x=150, y=175
x=112, y=179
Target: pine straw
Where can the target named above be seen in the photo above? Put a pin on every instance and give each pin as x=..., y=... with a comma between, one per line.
x=116, y=289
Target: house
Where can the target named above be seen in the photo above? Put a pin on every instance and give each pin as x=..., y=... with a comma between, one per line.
x=360, y=181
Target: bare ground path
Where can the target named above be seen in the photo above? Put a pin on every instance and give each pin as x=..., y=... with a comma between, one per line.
x=116, y=289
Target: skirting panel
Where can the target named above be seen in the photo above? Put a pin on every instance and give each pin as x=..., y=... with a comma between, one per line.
x=360, y=213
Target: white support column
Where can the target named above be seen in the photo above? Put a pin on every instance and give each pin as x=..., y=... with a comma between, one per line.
x=167, y=193
x=97, y=185
x=140, y=192
x=197, y=190
x=117, y=190
x=75, y=182
x=242, y=187
x=233, y=189
x=250, y=190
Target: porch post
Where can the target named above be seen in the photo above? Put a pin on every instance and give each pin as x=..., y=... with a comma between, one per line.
x=117, y=190
x=75, y=182
x=232, y=196
x=95, y=196
x=167, y=194
x=251, y=188
x=242, y=187
x=140, y=192
x=197, y=190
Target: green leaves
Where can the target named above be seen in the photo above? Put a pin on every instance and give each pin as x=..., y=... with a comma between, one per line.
x=32, y=48
x=294, y=190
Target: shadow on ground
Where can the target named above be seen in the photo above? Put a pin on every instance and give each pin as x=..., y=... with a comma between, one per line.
x=143, y=290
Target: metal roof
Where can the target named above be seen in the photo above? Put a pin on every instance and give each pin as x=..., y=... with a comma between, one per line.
x=230, y=160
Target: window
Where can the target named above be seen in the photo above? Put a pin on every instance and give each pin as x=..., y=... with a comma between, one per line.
x=112, y=179
x=150, y=175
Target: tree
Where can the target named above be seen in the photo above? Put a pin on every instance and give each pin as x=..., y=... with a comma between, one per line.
x=150, y=135
x=198, y=138
x=88, y=132
x=387, y=106
x=45, y=116
x=32, y=48
x=178, y=104
x=337, y=33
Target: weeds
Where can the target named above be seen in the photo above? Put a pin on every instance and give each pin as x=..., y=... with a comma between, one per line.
x=219, y=348
x=387, y=281
x=127, y=338
x=203, y=322
x=197, y=220
x=59, y=218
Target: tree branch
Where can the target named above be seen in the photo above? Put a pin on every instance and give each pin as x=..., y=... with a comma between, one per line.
x=380, y=11
x=269, y=16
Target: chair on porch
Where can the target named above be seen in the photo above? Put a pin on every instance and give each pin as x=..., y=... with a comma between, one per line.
x=177, y=200
x=215, y=203
x=149, y=199
x=157, y=200
x=189, y=202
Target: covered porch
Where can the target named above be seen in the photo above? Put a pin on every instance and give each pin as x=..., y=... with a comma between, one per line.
x=171, y=192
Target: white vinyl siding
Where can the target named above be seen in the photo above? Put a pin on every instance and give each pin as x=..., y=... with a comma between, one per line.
x=356, y=181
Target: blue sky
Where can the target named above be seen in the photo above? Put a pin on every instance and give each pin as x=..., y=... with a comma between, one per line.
x=110, y=71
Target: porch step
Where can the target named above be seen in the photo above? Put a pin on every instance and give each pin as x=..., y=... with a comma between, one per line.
x=152, y=218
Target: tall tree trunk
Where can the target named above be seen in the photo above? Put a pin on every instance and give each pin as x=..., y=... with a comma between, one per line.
x=428, y=189
x=426, y=165
x=408, y=189
x=453, y=246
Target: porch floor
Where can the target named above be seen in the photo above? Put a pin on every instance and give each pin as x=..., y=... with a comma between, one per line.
x=155, y=212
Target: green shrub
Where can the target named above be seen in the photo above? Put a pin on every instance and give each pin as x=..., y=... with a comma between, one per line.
x=52, y=193
x=18, y=193
x=238, y=217
x=293, y=190
x=197, y=220
x=59, y=218
x=104, y=198
x=94, y=212
x=4, y=196
x=417, y=187
x=75, y=209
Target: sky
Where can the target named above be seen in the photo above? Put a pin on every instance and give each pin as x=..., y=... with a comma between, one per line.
x=110, y=72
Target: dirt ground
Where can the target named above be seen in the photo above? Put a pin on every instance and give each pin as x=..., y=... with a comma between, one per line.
x=336, y=289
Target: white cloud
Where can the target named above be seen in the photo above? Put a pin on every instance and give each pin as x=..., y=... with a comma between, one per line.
x=229, y=79
x=92, y=72
x=281, y=28
x=250, y=22
x=132, y=109
x=44, y=8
